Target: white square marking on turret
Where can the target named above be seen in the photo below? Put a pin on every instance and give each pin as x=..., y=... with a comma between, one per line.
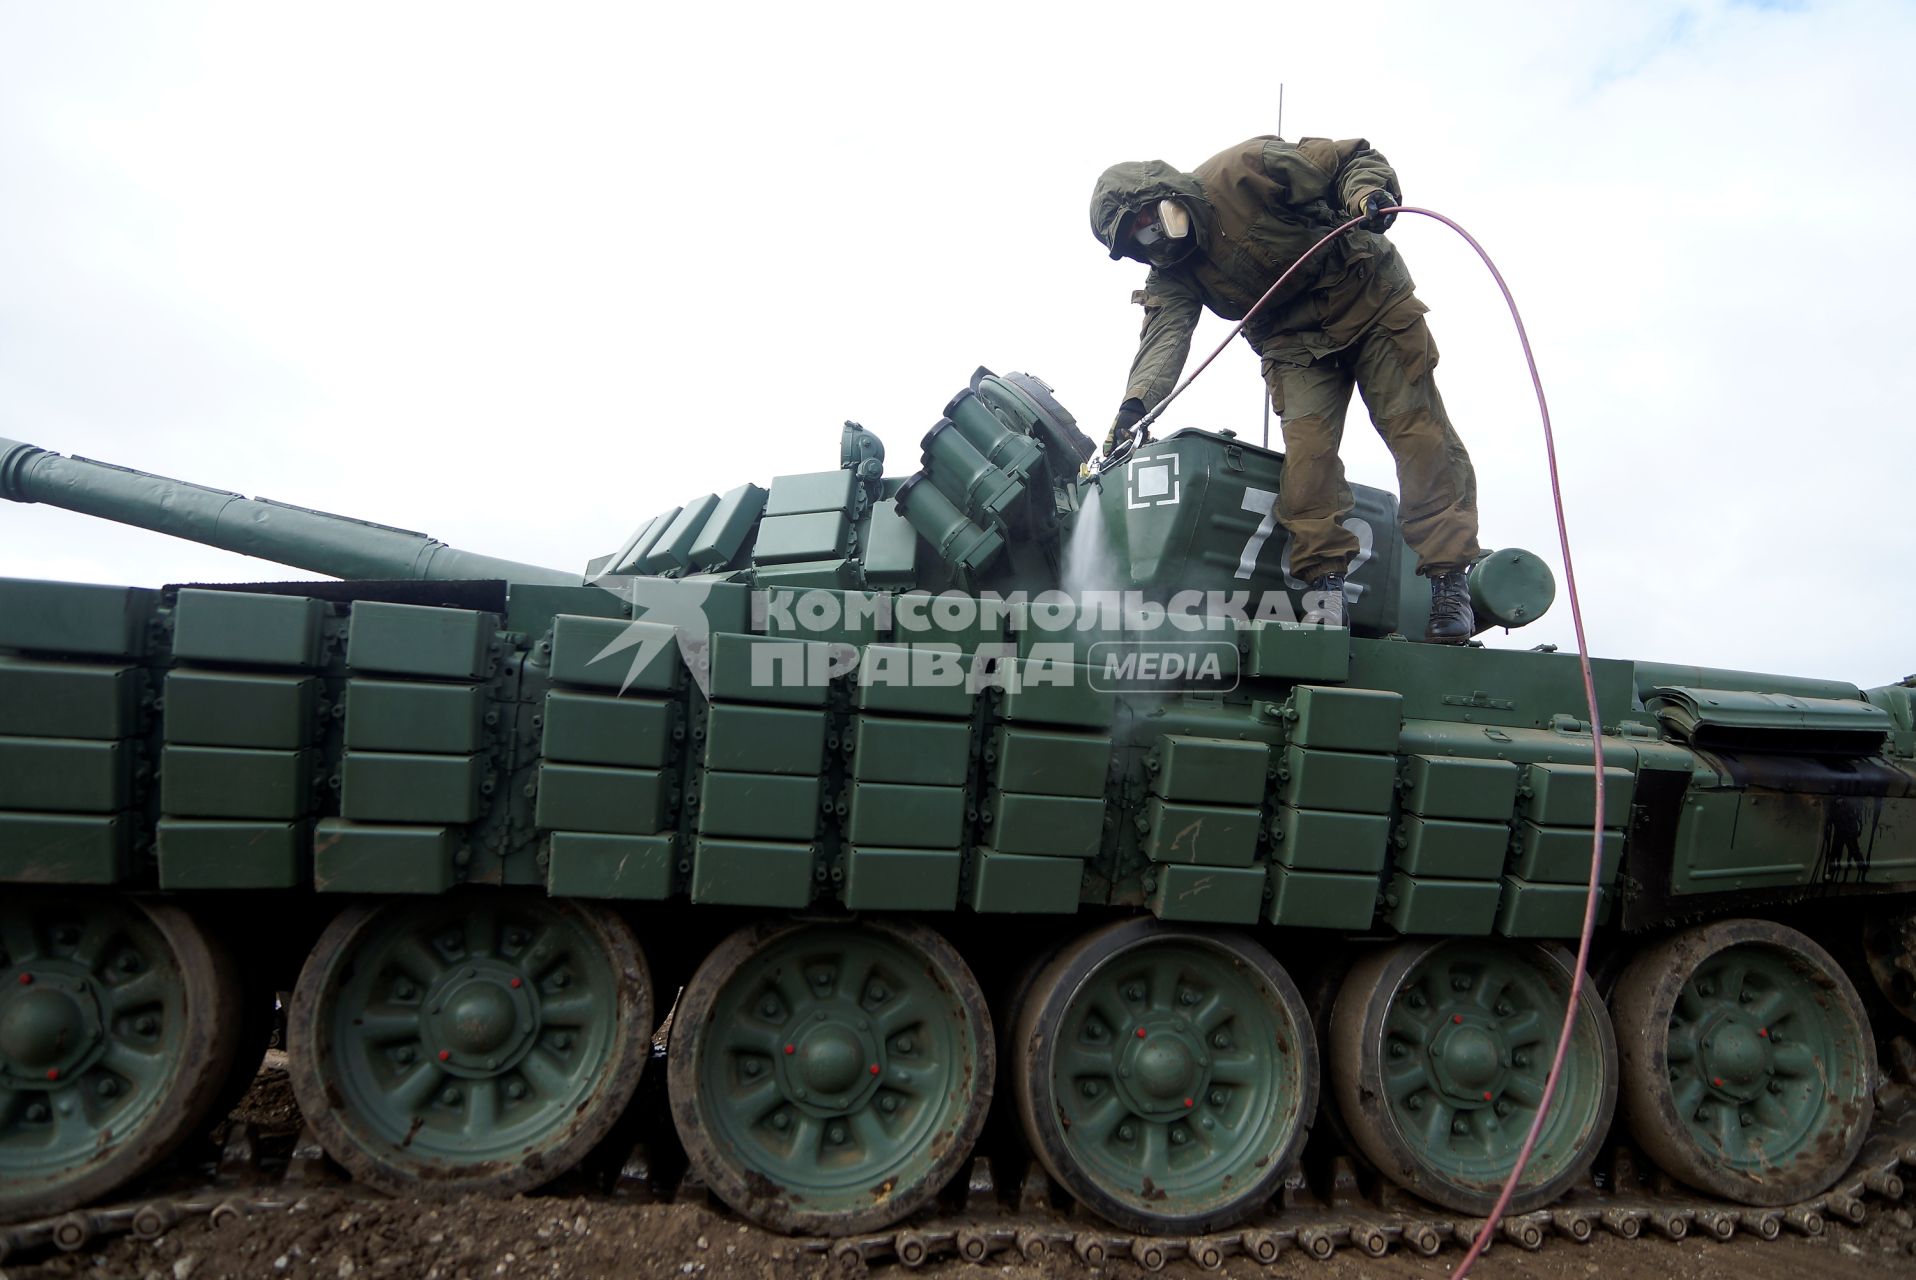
x=1152, y=482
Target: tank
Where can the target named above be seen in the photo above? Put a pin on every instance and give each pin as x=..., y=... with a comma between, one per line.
x=999, y=811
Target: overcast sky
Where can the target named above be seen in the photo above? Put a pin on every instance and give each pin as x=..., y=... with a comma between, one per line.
x=522, y=276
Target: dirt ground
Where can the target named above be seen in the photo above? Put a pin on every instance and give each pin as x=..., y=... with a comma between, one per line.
x=338, y=1234
x=331, y=1235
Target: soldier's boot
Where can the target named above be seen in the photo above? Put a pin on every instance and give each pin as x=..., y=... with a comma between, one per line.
x=1451, y=619
x=1324, y=601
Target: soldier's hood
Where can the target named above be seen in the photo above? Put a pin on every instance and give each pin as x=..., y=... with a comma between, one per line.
x=1125, y=188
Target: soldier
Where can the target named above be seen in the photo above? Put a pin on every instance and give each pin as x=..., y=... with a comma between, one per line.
x=1218, y=237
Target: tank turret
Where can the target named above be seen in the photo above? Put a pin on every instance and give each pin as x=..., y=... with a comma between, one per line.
x=341, y=546
x=998, y=506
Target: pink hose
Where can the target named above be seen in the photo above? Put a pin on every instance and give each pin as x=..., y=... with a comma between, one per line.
x=1482, y=1241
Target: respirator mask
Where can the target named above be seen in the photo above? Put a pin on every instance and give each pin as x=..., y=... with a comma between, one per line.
x=1161, y=233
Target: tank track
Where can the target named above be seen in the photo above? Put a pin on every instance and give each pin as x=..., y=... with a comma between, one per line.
x=1374, y=1220
x=1375, y=1225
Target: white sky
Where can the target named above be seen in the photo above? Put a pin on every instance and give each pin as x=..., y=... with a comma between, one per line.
x=521, y=276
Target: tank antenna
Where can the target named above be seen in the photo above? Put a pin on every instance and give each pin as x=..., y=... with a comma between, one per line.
x=1267, y=390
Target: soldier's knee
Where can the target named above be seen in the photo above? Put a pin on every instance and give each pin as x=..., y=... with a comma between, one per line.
x=1308, y=437
x=1415, y=427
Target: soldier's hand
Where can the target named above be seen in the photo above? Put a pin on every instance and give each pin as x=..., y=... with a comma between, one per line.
x=1375, y=219
x=1127, y=418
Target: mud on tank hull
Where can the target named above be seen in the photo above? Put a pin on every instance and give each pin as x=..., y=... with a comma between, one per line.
x=484, y=829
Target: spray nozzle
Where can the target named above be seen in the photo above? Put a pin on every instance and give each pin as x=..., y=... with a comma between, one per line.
x=1124, y=450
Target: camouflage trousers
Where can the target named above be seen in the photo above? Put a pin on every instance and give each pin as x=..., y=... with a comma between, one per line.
x=1390, y=365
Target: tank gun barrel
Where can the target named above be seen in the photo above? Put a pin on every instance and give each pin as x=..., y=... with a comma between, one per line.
x=340, y=546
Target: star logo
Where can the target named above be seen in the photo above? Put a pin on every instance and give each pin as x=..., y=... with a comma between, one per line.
x=657, y=603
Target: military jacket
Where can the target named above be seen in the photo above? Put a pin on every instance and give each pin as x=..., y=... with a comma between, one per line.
x=1255, y=209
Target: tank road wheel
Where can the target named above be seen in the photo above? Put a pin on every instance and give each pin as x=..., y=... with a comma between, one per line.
x=1439, y=1052
x=1747, y=1061
x=1166, y=1076
x=830, y=1078
x=1889, y=951
x=118, y=1022
x=478, y=1041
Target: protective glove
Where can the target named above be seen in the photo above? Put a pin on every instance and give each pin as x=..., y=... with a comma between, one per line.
x=1128, y=414
x=1374, y=218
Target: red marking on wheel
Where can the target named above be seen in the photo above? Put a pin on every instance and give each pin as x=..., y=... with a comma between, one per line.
x=791, y=1048
x=1764, y=1032
x=445, y=1055
x=1486, y=1095
x=874, y=1068
x=1457, y=1018
x=26, y=979
x=53, y=1073
x=1190, y=1102
x=1717, y=1081
x=516, y=984
x=1140, y=1033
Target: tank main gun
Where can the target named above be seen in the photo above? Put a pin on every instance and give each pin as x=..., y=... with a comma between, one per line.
x=339, y=546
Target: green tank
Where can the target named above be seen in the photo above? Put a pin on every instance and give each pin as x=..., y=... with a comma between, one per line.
x=902, y=803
